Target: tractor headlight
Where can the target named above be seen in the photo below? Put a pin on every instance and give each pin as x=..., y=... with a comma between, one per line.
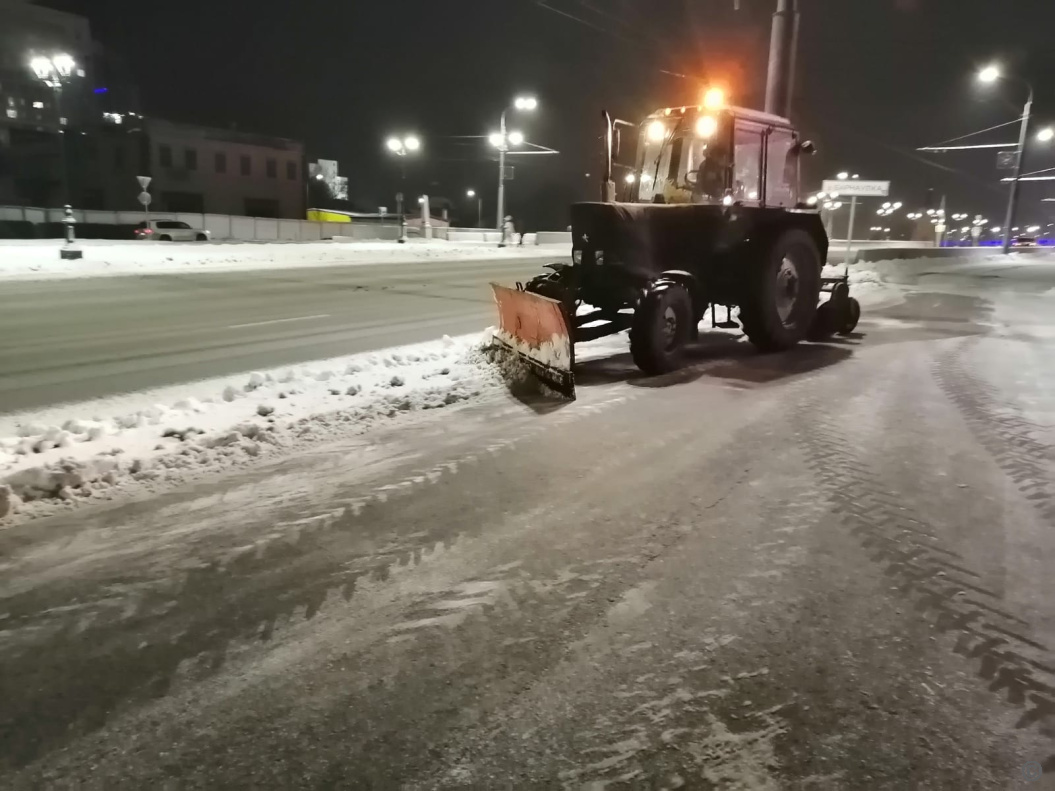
x=576, y=257
x=598, y=258
x=706, y=126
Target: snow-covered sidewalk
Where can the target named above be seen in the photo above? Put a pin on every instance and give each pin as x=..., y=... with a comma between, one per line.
x=37, y=260
x=162, y=437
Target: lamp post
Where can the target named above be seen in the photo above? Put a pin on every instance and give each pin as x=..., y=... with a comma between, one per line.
x=402, y=147
x=471, y=194
x=502, y=140
x=56, y=71
x=989, y=75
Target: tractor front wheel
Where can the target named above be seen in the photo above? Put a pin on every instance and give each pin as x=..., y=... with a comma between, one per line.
x=780, y=299
x=661, y=329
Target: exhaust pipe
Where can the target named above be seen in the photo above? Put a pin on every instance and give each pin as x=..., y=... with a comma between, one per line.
x=607, y=185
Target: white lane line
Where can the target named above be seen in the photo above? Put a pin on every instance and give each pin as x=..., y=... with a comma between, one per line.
x=277, y=321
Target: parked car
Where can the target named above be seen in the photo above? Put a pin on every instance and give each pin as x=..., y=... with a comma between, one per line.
x=1024, y=241
x=169, y=231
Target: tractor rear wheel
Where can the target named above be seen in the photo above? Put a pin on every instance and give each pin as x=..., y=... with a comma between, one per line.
x=782, y=293
x=662, y=326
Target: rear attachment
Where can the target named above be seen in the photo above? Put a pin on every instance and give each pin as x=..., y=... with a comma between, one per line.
x=536, y=330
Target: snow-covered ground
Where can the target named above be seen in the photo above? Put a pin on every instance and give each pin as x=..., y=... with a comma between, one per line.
x=78, y=452
x=36, y=260
x=85, y=450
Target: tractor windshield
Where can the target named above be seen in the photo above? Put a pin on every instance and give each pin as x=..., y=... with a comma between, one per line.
x=682, y=159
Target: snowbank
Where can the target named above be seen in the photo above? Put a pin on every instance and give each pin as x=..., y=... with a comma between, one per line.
x=80, y=452
x=36, y=260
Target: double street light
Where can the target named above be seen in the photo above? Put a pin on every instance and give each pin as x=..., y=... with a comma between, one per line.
x=56, y=71
x=403, y=147
x=503, y=140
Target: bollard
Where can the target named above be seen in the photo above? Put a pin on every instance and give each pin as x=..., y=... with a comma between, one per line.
x=70, y=251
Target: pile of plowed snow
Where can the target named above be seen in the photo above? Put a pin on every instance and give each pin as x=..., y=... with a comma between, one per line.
x=89, y=450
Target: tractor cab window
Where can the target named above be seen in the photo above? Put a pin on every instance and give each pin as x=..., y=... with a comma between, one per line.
x=747, y=162
x=707, y=164
x=782, y=169
x=655, y=159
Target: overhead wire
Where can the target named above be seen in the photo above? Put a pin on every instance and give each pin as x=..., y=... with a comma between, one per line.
x=650, y=47
x=975, y=134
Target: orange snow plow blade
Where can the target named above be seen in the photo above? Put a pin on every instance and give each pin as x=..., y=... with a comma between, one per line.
x=536, y=329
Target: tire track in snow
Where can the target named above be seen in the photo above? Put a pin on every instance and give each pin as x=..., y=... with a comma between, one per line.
x=943, y=588
x=1010, y=438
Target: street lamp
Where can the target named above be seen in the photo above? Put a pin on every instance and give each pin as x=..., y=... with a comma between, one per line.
x=471, y=194
x=56, y=71
x=502, y=140
x=403, y=147
x=1046, y=135
x=990, y=75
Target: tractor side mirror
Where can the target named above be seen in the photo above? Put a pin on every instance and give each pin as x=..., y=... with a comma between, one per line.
x=617, y=143
x=805, y=147
x=692, y=177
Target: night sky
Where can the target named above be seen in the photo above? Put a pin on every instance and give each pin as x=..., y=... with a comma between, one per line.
x=877, y=78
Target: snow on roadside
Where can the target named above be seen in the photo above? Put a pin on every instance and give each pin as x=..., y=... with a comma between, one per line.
x=866, y=284
x=37, y=260
x=81, y=452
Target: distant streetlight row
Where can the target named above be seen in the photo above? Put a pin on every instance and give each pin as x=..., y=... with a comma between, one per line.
x=503, y=140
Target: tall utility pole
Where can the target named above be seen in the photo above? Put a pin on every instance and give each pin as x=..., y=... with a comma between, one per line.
x=1020, y=158
x=783, y=58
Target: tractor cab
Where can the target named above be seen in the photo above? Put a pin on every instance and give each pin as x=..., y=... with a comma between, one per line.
x=728, y=156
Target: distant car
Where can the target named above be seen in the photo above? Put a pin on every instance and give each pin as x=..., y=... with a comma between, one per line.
x=1024, y=241
x=169, y=231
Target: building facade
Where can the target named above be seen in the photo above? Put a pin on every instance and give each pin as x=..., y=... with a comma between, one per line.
x=196, y=169
x=87, y=145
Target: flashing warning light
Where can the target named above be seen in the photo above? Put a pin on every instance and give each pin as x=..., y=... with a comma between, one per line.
x=102, y=90
x=714, y=99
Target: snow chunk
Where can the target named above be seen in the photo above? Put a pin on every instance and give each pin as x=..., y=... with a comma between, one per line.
x=61, y=455
x=9, y=501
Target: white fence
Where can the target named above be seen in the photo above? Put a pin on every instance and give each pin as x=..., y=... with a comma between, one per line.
x=223, y=227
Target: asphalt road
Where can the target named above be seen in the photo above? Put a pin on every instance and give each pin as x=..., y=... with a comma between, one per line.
x=72, y=340
x=827, y=569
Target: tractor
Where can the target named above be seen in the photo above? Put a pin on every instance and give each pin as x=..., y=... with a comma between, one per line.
x=707, y=217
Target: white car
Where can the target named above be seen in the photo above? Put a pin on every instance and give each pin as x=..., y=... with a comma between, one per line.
x=169, y=231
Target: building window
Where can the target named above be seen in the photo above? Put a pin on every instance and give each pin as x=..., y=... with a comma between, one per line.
x=272, y=169
x=246, y=165
x=190, y=158
x=221, y=162
x=291, y=171
x=165, y=156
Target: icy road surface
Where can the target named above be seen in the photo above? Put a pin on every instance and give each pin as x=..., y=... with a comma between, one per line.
x=824, y=569
x=77, y=339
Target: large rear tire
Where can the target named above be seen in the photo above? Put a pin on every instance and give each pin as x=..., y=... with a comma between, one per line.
x=662, y=326
x=782, y=293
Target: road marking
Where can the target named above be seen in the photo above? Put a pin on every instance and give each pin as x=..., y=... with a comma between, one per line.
x=277, y=321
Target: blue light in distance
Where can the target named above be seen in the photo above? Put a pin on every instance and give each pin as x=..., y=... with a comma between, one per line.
x=102, y=90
